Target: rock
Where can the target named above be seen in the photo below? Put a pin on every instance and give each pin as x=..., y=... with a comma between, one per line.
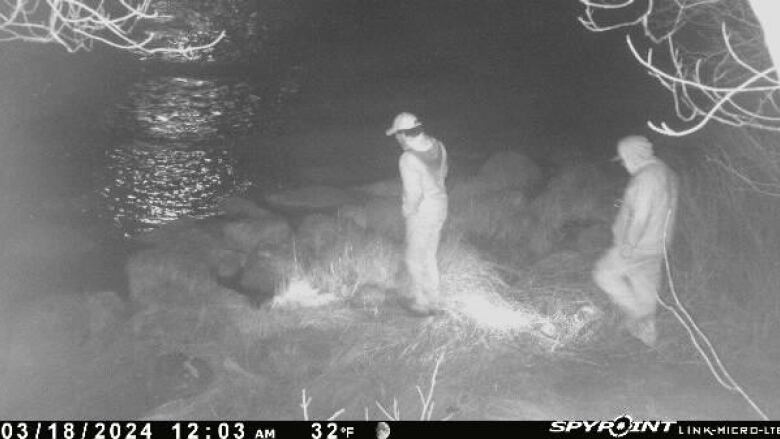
x=316, y=233
x=468, y=190
x=241, y=207
x=310, y=198
x=578, y=193
x=262, y=275
x=188, y=263
x=498, y=216
x=386, y=188
x=248, y=234
x=382, y=215
x=227, y=263
x=509, y=170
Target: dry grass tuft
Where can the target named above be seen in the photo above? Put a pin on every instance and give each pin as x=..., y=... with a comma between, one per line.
x=356, y=261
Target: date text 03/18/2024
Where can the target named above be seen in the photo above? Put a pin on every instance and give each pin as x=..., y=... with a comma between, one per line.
x=136, y=430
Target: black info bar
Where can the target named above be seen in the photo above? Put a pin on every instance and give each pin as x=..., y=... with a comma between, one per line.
x=330, y=429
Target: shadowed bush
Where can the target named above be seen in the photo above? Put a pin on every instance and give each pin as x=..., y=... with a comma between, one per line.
x=498, y=216
x=576, y=195
x=578, y=198
x=509, y=170
x=727, y=244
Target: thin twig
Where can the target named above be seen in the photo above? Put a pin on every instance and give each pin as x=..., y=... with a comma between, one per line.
x=701, y=83
x=336, y=414
x=427, y=407
x=385, y=412
x=305, y=405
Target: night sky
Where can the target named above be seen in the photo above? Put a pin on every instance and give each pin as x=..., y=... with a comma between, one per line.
x=488, y=68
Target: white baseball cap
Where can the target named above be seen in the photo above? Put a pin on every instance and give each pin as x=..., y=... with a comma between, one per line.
x=404, y=121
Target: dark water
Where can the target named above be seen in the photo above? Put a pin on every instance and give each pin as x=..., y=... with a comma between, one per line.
x=79, y=178
x=177, y=158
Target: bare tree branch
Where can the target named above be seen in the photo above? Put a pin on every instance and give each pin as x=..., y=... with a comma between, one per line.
x=715, y=64
x=77, y=24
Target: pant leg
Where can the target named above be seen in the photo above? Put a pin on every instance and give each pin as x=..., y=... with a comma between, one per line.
x=610, y=275
x=645, y=278
x=431, y=277
x=414, y=257
x=423, y=232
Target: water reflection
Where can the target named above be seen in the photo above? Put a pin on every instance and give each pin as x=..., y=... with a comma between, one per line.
x=188, y=109
x=178, y=161
x=156, y=183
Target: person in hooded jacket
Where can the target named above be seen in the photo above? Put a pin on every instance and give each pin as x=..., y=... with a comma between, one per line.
x=423, y=168
x=630, y=271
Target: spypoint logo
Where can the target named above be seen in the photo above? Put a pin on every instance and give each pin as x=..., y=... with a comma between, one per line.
x=621, y=426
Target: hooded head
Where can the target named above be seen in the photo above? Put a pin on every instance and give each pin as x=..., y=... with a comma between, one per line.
x=635, y=152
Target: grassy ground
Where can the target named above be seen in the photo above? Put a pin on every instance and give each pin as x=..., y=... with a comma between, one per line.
x=334, y=329
x=523, y=337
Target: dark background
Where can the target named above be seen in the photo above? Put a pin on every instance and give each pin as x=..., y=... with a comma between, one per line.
x=522, y=74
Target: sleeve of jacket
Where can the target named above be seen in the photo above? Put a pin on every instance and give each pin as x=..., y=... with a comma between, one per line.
x=412, y=184
x=642, y=201
x=445, y=169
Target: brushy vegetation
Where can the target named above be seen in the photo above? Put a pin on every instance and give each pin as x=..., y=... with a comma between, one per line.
x=526, y=225
x=727, y=246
